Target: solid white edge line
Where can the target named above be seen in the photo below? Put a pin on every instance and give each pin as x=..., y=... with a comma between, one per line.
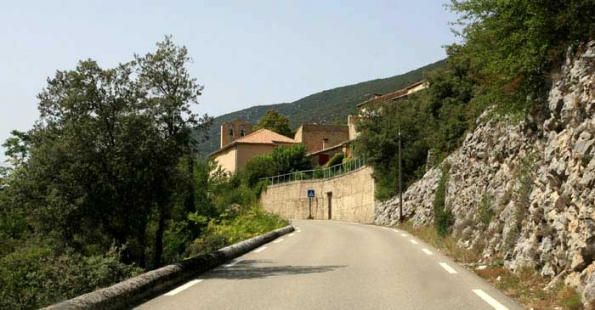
x=491, y=301
x=291, y=235
x=404, y=235
x=278, y=240
x=447, y=268
x=183, y=287
x=260, y=249
x=232, y=263
x=427, y=251
x=413, y=241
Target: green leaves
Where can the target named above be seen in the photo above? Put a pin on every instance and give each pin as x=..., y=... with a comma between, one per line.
x=282, y=160
x=513, y=45
x=443, y=217
x=102, y=162
x=276, y=122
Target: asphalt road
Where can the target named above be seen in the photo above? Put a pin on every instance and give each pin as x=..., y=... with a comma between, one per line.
x=337, y=265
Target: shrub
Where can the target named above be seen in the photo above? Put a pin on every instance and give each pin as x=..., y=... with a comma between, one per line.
x=443, y=217
x=248, y=224
x=335, y=160
x=486, y=212
x=34, y=276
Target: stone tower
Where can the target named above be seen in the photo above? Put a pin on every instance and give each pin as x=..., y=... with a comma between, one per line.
x=233, y=130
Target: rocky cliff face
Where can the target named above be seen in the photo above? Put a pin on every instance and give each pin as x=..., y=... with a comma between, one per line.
x=525, y=194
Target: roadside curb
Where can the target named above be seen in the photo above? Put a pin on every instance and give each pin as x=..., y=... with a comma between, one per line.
x=152, y=283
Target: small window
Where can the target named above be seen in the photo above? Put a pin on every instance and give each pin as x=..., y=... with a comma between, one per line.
x=242, y=131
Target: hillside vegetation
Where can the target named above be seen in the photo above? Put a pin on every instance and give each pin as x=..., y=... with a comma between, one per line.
x=106, y=185
x=329, y=106
x=514, y=192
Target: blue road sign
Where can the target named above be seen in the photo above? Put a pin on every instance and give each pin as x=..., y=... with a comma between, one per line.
x=311, y=193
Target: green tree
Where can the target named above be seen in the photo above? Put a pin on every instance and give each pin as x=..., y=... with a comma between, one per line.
x=17, y=147
x=288, y=159
x=104, y=158
x=379, y=143
x=275, y=122
x=513, y=45
x=281, y=160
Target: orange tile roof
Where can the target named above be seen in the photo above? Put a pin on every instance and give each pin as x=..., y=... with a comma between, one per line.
x=265, y=136
x=261, y=136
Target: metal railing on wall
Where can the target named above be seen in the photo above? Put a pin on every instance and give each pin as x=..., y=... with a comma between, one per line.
x=317, y=174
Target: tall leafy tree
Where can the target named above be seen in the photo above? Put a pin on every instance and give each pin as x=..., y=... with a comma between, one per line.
x=169, y=92
x=104, y=156
x=275, y=122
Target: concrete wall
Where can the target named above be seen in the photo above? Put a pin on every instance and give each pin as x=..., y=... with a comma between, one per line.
x=352, y=198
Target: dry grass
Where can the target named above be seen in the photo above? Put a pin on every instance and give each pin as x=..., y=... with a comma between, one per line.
x=447, y=244
x=526, y=285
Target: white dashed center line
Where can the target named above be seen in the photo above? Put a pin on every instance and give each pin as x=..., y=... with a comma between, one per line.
x=404, y=235
x=260, y=249
x=427, y=251
x=491, y=301
x=232, y=263
x=292, y=234
x=395, y=230
x=278, y=240
x=448, y=268
x=413, y=241
x=183, y=287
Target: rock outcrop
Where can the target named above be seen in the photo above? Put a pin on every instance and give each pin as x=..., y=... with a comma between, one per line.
x=523, y=192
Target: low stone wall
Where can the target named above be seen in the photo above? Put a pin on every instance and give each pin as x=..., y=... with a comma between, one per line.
x=351, y=195
x=147, y=285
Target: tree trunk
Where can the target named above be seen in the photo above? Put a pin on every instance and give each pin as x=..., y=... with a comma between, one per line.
x=159, y=240
x=142, y=260
x=189, y=203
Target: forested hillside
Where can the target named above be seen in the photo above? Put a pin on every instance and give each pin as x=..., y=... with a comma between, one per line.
x=329, y=106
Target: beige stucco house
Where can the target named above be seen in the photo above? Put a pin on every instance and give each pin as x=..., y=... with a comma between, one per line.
x=234, y=155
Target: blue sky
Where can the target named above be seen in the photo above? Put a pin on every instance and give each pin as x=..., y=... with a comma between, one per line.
x=245, y=53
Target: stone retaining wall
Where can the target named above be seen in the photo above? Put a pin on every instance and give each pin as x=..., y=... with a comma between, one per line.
x=352, y=198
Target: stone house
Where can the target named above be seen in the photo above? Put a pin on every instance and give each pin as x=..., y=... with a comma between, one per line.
x=322, y=141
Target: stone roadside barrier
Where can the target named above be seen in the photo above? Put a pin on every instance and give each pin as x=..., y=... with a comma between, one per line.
x=134, y=290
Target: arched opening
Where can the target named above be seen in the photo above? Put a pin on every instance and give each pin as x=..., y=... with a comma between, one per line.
x=231, y=132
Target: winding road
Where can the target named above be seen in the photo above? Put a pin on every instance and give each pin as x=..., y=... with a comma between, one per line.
x=337, y=265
